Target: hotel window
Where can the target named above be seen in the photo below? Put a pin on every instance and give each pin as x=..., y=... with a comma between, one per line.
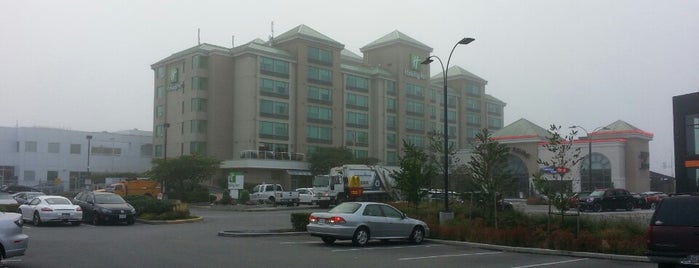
x=473, y=119
x=433, y=111
x=158, y=151
x=160, y=92
x=75, y=149
x=320, y=75
x=417, y=141
x=391, y=87
x=391, y=122
x=199, y=105
x=159, y=111
x=391, y=158
x=318, y=134
x=452, y=131
x=357, y=119
x=320, y=94
x=274, y=87
x=494, y=123
x=473, y=104
x=494, y=108
x=197, y=126
x=315, y=113
x=414, y=124
x=360, y=101
x=356, y=83
x=391, y=140
x=200, y=62
x=322, y=56
x=360, y=154
x=415, y=91
x=200, y=83
x=274, y=67
x=451, y=101
x=161, y=72
x=416, y=108
x=159, y=130
x=356, y=138
x=473, y=90
x=274, y=109
x=471, y=133
x=197, y=147
x=391, y=104
x=54, y=148
x=107, y=151
x=30, y=146
x=274, y=130
x=451, y=116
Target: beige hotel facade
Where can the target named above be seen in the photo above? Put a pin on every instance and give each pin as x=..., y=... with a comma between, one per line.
x=263, y=106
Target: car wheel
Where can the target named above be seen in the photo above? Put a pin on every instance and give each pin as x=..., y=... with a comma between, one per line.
x=360, y=237
x=629, y=206
x=597, y=207
x=328, y=240
x=418, y=235
x=95, y=219
x=36, y=219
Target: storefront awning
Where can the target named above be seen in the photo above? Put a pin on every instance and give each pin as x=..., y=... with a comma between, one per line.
x=297, y=172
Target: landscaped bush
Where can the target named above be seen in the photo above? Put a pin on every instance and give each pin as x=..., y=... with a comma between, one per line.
x=149, y=205
x=9, y=208
x=519, y=229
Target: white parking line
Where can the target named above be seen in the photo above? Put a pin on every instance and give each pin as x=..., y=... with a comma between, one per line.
x=550, y=263
x=450, y=255
x=378, y=248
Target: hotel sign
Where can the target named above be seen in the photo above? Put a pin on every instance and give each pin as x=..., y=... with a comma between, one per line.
x=414, y=70
x=174, y=79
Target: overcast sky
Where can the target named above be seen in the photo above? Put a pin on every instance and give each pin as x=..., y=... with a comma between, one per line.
x=85, y=65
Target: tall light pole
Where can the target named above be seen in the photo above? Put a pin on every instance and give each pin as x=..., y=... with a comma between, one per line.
x=589, y=156
x=89, y=138
x=446, y=214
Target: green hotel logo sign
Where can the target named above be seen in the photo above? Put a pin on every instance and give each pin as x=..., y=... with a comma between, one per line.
x=414, y=70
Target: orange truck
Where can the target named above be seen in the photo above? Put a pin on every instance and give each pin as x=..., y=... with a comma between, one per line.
x=135, y=187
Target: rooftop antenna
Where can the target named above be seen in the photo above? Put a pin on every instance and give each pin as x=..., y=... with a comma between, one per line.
x=232, y=40
x=271, y=36
x=198, y=36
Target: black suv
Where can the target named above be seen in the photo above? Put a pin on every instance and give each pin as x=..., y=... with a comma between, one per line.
x=607, y=199
x=104, y=207
x=673, y=232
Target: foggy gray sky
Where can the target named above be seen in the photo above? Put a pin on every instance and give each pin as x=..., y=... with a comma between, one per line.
x=85, y=65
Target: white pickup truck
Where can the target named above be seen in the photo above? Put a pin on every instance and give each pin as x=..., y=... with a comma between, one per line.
x=275, y=195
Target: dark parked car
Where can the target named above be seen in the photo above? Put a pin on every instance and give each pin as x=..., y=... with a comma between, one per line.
x=105, y=207
x=640, y=201
x=573, y=200
x=607, y=199
x=673, y=232
x=18, y=188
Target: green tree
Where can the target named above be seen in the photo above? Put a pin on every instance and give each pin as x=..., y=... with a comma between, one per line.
x=561, y=158
x=183, y=174
x=435, y=152
x=325, y=158
x=487, y=171
x=415, y=173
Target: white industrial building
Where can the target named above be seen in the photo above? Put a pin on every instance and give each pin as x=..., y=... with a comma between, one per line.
x=39, y=156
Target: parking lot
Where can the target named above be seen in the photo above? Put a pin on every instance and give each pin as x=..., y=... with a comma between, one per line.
x=199, y=245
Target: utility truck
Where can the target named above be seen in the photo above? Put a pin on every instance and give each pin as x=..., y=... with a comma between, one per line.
x=276, y=195
x=356, y=182
x=135, y=187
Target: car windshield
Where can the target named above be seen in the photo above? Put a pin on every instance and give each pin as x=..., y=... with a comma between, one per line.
x=347, y=207
x=597, y=194
x=108, y=199
x=58, y=201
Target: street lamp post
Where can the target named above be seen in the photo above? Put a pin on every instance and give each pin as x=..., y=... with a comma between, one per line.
x=446, y=214
x=89, y=138
x=589, y=156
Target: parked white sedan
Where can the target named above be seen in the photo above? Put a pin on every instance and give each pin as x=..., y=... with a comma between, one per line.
x=12, y=240
x=362, y=221
x=51, y=208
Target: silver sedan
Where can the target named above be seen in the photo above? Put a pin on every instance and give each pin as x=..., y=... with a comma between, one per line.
x=363, y=221
x=51, y=208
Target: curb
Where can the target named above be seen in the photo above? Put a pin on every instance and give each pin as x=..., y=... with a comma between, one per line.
x=197, y=219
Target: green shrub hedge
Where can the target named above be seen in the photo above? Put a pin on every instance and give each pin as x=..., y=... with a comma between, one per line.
x=299, y=220
x=149, y=205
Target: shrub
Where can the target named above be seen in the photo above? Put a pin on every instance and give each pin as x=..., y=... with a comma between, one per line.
x=9, y=208
x=244, y=196
x=299, y=220
x=148, y=205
